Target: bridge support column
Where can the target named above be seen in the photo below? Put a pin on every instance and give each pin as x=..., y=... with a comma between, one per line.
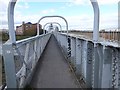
x=111, y=72
x=73, y=52
x=119, y=68
x=84, y=59
x=9, y=63
x=78, y=56
x=89, y=63
x=97, y=66
x=107, y=71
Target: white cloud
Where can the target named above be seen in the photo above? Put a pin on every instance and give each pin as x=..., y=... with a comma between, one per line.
x=74, y=22
x=22, y=6
x=48, y=11
x=100, y=2
x=107, y=22
x=84, y=21
x=26, y=5
x=73, y=1
x=77, y=2
x=63, y=7
x=80, y=22
x=3, y=6
x=4, y=2
x=3, y=12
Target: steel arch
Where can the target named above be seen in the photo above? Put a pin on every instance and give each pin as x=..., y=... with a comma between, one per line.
x=51, y=17
x=52, y=23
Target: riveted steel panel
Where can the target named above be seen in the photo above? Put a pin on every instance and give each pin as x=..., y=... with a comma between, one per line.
x=107, y=68
x=89, y=64
x=73, y=52
x=78, y=56
x=84, y=59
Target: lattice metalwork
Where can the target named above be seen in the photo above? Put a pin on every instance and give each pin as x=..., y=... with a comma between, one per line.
x=114, y=68
x=69, y=47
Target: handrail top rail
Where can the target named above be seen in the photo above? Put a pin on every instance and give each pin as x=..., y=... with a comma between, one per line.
x=30, y=38
x=26, y=40
x=107, y=43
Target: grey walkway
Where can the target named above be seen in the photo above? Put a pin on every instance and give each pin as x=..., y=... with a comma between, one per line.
x=52, y=70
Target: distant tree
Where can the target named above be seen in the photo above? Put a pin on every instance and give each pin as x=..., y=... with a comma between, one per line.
x=103, y=30
x=5, y=36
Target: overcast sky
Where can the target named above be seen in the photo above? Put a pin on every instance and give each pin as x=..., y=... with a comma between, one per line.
x=79, y=13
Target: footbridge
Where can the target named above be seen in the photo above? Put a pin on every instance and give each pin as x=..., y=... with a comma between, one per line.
x=60, y=60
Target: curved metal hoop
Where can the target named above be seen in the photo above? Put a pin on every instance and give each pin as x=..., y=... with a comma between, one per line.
x=96, y=20
x=52, y=17
x=11, y=6
x=52, y=23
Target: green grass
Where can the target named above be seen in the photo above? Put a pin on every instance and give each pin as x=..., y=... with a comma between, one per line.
x=5, y=38
x=21, y=37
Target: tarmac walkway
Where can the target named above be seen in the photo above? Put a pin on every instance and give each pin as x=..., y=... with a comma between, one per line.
x=53, y=70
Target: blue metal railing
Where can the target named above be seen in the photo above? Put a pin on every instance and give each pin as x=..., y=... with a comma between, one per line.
x=21, y=58
x=97, y=66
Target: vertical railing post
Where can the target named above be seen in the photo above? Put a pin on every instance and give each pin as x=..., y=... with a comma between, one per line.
x=8, y=52
x=9, y=64
x=89, y=63
x=78, y=56
x=38, y=31
x=95, y=40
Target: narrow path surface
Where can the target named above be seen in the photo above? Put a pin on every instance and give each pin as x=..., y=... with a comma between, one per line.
x=52, y=70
